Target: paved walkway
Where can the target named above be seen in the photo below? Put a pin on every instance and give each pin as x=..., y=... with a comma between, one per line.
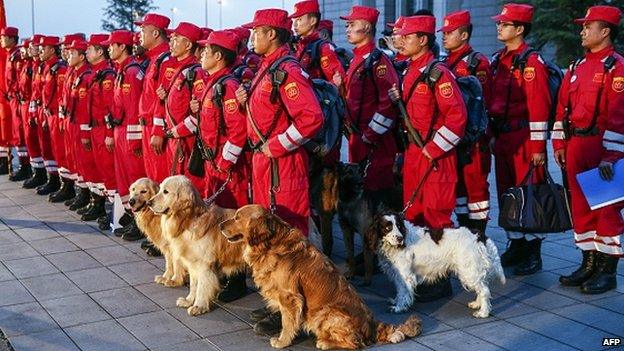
x=66, y=286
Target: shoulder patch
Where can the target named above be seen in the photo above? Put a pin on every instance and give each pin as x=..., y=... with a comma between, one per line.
x=82, y=93
x=529, y=73
x=125, y=89
x=446, y=90
x=618, y=84
x=292, y=90
x=421, y=88
x=60, y=78
x=324, y=61
x=198, y=86
x=107, y=84
x=381, y=70
x=169, y=72
x=231, y=105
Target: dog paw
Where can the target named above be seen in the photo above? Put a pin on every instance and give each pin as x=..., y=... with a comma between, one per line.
x=481, y=314
x=322, y=345
x=159, y=279
x=279, y=344
x=197, y=310
x=172, y=283
x=396, y=337
x=474, y=305
x=183, y=302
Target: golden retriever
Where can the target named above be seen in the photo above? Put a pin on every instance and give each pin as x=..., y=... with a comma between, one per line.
x=305, y=286
x=141, y=191
x=192, y=229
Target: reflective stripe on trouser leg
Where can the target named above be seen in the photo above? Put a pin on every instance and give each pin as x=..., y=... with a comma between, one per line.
x=585, y=241
x=37, y=162
x=609, y=245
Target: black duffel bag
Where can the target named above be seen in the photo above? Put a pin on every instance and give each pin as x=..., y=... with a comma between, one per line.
x=535, y=208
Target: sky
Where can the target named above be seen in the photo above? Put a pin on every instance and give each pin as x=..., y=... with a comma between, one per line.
x=59, y=17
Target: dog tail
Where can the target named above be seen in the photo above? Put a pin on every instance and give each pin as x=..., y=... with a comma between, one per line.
x=388, y=333
x=492, y=252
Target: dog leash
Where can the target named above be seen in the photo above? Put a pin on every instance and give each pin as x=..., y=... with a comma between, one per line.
x=221, y=189
x=418, y=187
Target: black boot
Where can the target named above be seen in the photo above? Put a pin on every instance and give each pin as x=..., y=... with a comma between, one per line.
x=126, y=219
x=463, y=221
x=152, y=250
x=583, y=273
x=4, y=165
x=96, y=211
x=532, y=262
x=270, y=325
x=39, y=178
x=234, y=288
x=604, y=278
x=478, y=225
x=259, y=314
x=428, y=292
x=81, y=200
x=52, y=185
x=24, y=172
x=104, y=222
x=133, y=233
x=66, y=192
x=516, y=251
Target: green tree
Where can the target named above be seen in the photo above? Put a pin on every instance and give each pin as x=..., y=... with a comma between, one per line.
x=120, y=14
x=553, y=24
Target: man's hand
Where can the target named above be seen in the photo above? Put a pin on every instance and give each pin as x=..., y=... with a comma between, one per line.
x=86, y=143
x=266, y=151
x=156, y=143
x=241, y=95
x=110, y=144
x=426, y=153
x=194, y=105
x=337, y=79
x=560, y=158
x=138, y=152
x=606, y=170
x=161, y=93
x=44, y=124
x=538, y=159
x=394, y=94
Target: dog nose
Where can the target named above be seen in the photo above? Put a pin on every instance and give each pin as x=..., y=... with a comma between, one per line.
x=131, y=202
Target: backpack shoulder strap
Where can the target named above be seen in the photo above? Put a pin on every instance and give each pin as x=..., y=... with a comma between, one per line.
x=521, y=59
x=473, y=62
x=370, y=61
x=470, y=53
x=218, y=89
x=159, y=60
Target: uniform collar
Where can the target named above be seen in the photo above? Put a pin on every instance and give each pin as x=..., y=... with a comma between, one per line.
x=364, y=49
x=310, y=38
x=507, y=53
x=421, y=62
x=82, y=68
x=599, y=55
x=281, y=51
x=155, y=52
x=186, y=60
x=52, y=60
x=125, y=62
x=218, y=74
x=100, y=66
x=454, y=55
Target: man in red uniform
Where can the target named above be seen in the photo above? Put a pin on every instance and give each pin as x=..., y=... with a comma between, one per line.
x=474, y=158
x=590, y=112
x=519, y=122
x=154, y=39
x=370, y=112
x=281, y=118
x=8, y=41
x=187, y=80
x=53, y=78
x=437, y=112
x=245, y=56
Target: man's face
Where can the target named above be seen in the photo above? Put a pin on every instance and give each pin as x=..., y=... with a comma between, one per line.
x=115, y=50
x=64, y=53
x=75, y=57
x=5, y=42
x=34, y=50
x=593, y=34
x=94, y=54
x=148, y=36
x=261, y=39
x=304, y=25
x=357, y=31
x=180, y=45
x=46, y=52
x=506, y=31
x=412, y=45
x=208, y=59
x=453, y=39
x=397, y=41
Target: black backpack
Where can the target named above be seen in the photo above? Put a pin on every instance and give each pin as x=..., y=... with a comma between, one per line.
x=314, y=50
x=332, y=106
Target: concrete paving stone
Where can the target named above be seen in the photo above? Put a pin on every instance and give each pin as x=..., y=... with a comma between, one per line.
x=30, y=267
x=24, y=319
x=456, y=340
x=5, y=274
x=51, y=286
x=22, y=221
x=73, y=261
x=90, y=240
x=564, y=252
x=502, y=306
x=561, y=329
x=380, y=285
x=123, y=302
x=550, y=263
x=512, y=337
x=161, y=295
x=157, y=329
x=195, y=345
x=96, y=279
x=104, y=336
x=452, y=313
x=74, y=310
x=241, y=341
x=243, y=306
x=49, y=340
x=69, y=227
x=53, y=245
x=13, y=292
x=158, y=262
x=133, y=273
x=218, y=321
x=15, y=251
x=533, y=296
x=8, y=237
x=113, y=255
x=550, y=281
x=599, y=318
x=613, y=303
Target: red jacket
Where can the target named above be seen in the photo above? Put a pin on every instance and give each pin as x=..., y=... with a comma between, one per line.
x=13, y=67
x=460, y=67
x=78, y=103
x=579, y=91
x=25, y=80
x=66, y=92
x=126, y=95
x=441, y=113
x=529, y=98
x=52, y=85
x=327, y=62
x=35, y=88
x=149, y=100
x=101, y=94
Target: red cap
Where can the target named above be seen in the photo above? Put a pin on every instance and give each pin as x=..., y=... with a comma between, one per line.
x=609, y=14
x=455, y=20
x=398, y=24
x=97, y=39
x=205, y=33
x=304, y=8
x=9, y=31
x=69, y=38
x=24, y=44
x=276, y=18
x=242, y=33
x=327, y=25
x=49, y=41
x=417, y=24
x=226, y=39
x=367, y=14
x=121, y=36
x=189, y=31
x=515, y=12
x=36, y=38
x=154, y=19
x=78, y=45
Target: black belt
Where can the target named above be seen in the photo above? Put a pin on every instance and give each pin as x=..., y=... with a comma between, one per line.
x=584, y=132
x=509, y=126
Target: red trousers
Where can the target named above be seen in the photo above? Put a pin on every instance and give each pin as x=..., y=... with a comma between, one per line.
x=104, y=159
x=156, y=166
x=44, y=131
x=85, y=159
x=128, y=167
x=473, y=189
x=380, y=175
x=178, y=153
x=72, y=137
x=31, y=138
x=57, y=140
x=435, y=201
x=16, y=121
x=6, y=123
x=599, y=229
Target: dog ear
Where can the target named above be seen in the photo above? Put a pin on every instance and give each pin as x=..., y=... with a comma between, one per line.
x=259, y=230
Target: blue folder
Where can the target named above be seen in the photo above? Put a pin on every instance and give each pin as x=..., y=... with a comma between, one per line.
x=600, y=193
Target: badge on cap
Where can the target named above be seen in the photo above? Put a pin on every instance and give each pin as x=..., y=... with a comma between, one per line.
x=529, y=74
x=231, y=106
x=446, y=90
x=381, y=71
x=292, y=90
x=618, y=84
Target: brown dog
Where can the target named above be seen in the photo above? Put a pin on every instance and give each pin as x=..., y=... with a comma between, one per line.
x=141, y=191
x=192, y=228
x=306, y=287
